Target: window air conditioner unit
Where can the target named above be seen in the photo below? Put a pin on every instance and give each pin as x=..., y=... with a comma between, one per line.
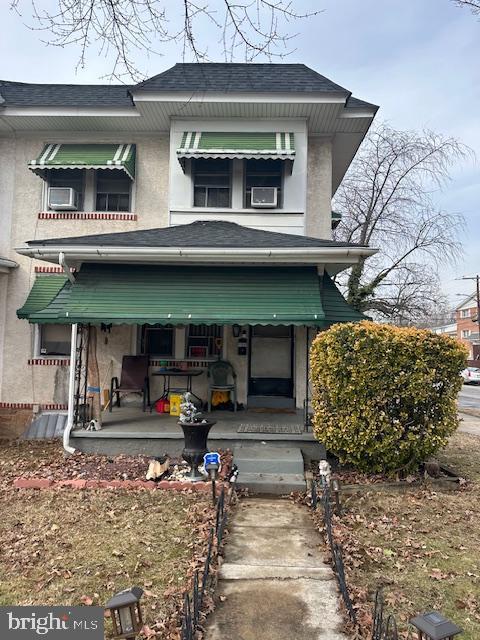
x=264, y=197
x=62, y=198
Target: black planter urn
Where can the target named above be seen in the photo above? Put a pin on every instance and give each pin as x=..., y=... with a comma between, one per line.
x=195, y=437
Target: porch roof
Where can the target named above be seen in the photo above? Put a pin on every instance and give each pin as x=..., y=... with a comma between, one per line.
x=153, y=294
x=45, y=288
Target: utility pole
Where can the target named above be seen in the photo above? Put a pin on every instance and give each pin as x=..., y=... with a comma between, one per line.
x=477, y=279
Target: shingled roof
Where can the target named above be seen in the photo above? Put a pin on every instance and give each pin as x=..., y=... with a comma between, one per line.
x=23, y=94
x=245, y=77
x=182, y=77
x=202, y=233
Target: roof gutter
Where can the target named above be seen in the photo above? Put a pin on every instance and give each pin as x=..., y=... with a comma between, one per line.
x=6, y=265
x=303, y=255
x=63, y=263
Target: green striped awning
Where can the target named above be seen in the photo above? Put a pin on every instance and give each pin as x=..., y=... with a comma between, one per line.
x=85, y=156
x=45, y=288
x=215, y=144
x=151, y=294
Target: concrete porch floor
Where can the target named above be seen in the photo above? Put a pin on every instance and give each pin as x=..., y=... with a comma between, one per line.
x=129, y=430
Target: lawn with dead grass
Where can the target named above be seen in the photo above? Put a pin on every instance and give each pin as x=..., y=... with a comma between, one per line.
x=72, y=547
x=422, y=546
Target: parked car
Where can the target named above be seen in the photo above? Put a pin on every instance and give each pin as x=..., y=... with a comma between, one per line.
x=471, y=375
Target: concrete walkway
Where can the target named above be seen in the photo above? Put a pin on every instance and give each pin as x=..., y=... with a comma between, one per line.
x=274, y=582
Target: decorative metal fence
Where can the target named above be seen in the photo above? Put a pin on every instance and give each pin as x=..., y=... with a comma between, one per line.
x=192, y=602
x=384, y=626
x=335, y=548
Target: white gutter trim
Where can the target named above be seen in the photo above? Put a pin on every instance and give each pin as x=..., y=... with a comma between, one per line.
x=71, y=392
x=314, y=97
x=158, y=253
x=63, y=263
x=110, y=112
x=8, y=264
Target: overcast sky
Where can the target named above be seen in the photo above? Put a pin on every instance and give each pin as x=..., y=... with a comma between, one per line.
x=417, y=59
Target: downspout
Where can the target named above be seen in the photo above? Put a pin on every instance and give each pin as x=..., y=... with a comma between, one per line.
x=62, y=262
x=71, y=391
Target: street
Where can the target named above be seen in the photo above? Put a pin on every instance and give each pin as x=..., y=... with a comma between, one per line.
x=469, y=397
x=469, y=400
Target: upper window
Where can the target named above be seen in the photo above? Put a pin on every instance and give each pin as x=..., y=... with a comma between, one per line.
x=212, y=183
x=263, y=173
x=68, y=178
x=55, y=339
x=113, y=190
x=465, y=313
x=157, y=340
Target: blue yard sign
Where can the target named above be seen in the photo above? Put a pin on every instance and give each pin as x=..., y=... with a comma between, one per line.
x=212, y=458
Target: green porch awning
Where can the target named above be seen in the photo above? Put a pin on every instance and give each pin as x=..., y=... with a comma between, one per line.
x=144, y=294
x=216, y=144
x=152, y=294
x=45, y=289
x=335, y=307
x=85, y=156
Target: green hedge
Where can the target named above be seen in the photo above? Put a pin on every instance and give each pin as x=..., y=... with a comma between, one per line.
x=384, y=397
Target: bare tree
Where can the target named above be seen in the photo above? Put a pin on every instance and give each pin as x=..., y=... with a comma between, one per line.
x=248, y=29
x=386, y=200
x=473, y=5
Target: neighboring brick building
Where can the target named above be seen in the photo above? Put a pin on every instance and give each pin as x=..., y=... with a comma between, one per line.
x=467, y=326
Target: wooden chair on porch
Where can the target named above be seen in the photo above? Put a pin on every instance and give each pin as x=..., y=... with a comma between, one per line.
x=222, y=377
x=133, y=379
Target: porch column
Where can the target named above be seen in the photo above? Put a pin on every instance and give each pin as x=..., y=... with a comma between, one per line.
x=300, y=366
x=71, y=391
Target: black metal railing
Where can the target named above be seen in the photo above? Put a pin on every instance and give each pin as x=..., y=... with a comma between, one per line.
x=384, y=626
x=192, y=602
x=335, y=548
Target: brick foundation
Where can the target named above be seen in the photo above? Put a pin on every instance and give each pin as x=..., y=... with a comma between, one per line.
x=14, y=421
x=172, y=485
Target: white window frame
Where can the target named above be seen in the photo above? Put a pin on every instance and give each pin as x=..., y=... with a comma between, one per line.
x=231, y=186
x=89, y=194
x=37, y=345
x=46, y=185
x=94, y=195
x=466, y=333
x=208, y=356
x=465, y=313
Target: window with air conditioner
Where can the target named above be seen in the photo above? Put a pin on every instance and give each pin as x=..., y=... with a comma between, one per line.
x=54, y=340
x=263, y=184
x=65, y=189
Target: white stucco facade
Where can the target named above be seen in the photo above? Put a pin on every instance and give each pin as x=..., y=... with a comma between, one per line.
x=161, y=196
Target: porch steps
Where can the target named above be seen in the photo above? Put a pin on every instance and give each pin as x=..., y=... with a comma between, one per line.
x=269, y=469
x=46, y=426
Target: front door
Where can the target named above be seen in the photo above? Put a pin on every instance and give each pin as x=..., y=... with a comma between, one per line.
x=271, y=370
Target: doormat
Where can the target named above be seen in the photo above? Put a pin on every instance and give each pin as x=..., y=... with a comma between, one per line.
x=271, y=428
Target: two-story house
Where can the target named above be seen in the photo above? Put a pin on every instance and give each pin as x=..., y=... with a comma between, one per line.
x=187, y=218
x=467, y=323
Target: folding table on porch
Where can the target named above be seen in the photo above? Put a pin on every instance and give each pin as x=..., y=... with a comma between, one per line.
x=176, y=373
